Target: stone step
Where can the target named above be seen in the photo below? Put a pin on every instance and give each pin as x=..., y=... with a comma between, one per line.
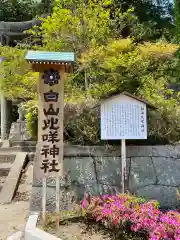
x=4, y=171
x=6, y=157
x=23, y=143
x=17, y=149
x=5, y=165
x=11, y=183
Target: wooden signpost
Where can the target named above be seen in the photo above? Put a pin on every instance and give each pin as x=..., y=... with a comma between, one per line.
x=124, y=116
x=52, y=67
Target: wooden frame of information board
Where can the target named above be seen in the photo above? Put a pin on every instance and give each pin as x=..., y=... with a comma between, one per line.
x=123, y=117
x=52, y=67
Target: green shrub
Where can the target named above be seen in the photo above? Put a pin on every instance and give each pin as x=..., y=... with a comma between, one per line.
x=145, y=70
x=31, y=118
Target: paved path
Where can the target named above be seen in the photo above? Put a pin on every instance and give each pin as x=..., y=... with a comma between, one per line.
x=13, y=218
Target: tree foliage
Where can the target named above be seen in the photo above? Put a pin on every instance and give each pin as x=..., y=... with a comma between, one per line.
x=17, y=79
x=153, y=16
x=177, y=18
x=144, y=70
x=112, y=63
x=76, y=25
x=106, y=62
x=23, y=10
x=18, y=10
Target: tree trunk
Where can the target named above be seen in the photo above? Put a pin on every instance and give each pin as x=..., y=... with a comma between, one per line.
x=49, y=6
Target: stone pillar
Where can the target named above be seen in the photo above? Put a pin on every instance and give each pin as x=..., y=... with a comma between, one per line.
x=20, y=123
x=9, y=116
x=4, y=117
x=3, y=110
x=21, y=113
x=18, y=129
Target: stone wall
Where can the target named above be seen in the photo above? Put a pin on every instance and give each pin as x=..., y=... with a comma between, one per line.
x=153, y=173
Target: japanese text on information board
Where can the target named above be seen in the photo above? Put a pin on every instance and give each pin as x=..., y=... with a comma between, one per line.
x=123, y=120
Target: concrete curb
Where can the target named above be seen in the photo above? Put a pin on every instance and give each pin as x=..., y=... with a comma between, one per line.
x=16, y=236
x=34, y=233
x=38, y=234
x=32, y=221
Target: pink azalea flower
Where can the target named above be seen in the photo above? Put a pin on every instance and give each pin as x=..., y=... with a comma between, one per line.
x=146, y=217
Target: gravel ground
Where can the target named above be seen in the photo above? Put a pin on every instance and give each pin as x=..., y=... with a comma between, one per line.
x=79, y=231
x=12, y=218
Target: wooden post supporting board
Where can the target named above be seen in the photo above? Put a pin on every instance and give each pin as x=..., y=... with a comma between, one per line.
x=123, y=165
x=61, y=152
x=44, y=200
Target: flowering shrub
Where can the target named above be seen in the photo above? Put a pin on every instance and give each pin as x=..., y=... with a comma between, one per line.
x=125, y=211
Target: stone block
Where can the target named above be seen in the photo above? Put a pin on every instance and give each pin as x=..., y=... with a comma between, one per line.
x=142, y=171
x=95, y=151
x=166, y=151
x=109, y=170
x=165, y=195
x=81, y=169
x=154, y=151
x=139, y=151
x=167, y=170
x=7, y=158
x=66, y=199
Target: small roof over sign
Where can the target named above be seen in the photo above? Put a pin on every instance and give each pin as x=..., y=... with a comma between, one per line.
x=115, y=94
x=55, y=57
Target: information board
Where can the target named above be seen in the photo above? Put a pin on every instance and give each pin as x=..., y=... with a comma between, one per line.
x=123, y=117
